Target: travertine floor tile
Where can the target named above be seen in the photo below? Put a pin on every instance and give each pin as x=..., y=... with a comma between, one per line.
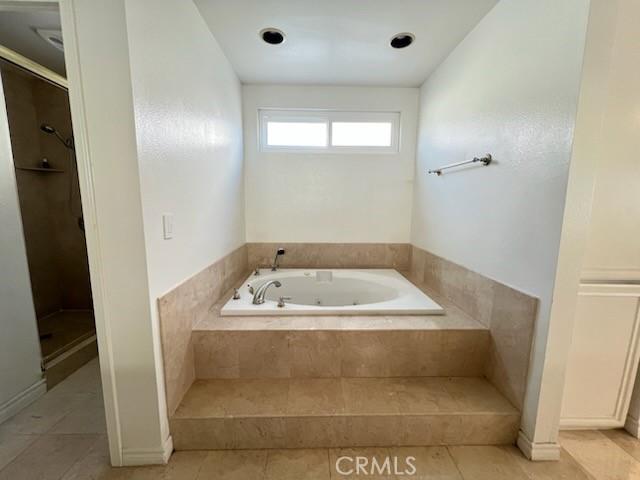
x=88, y=417
x=624, y=440
x=600, y=456
x=487, y=463
x=565, y=469
x=234, y=465
x=431, y=463
x=11, y=445
x=357, y=463
x=48, y=458
x=264, y=397
x=83, y=380
x=95, y=465
x=362, y=399
x=42, y=415
x=297, y=465
x=315, y=396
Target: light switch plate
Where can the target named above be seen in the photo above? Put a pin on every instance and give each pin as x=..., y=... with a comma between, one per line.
x=167, y=226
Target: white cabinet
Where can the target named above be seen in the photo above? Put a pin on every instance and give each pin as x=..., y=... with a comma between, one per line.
x=603, y=358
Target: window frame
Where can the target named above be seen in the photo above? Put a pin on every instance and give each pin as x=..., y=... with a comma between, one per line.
x=328, y=117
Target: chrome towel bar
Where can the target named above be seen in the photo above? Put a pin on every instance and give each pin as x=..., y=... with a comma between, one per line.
x=486, y=160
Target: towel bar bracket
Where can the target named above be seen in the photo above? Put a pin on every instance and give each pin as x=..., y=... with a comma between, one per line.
x=486, y=160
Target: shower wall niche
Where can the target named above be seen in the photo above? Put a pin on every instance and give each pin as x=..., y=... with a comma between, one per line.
x=49, y=199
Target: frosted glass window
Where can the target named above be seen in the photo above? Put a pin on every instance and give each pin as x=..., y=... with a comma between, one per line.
x=296, y=134
x=361, y=134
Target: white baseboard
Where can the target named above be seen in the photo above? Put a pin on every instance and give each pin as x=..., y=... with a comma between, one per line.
x=9, y=408
x=632, y=425
x=538, y=452
x=148, y=456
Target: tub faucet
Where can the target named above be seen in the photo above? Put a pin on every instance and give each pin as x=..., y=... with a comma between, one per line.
x=258, y=297
x=274, y=266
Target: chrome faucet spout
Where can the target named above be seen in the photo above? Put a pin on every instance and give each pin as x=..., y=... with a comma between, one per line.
x=258, y=297
x=274, y=266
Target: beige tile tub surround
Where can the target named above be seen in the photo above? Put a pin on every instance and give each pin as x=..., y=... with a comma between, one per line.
x=509, y=314
x=332, y=255
x=185, y=305
x=337, y=412
x=339, y=353
x=452, y=344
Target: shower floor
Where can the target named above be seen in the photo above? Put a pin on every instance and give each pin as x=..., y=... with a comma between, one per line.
x=63, y=330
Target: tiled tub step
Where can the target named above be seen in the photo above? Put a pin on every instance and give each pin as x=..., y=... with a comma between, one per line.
x=402, y=346
x=342, y=412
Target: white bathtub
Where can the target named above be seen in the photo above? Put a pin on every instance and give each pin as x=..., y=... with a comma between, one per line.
x=333, y=292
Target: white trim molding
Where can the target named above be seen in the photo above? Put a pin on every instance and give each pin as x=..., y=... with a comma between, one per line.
x=77, y=103
x=632, y=425
x=25, y=398
x=149, y=456
x=583, y=379
x=34, y=67
x=602, y=275
x=538, y=452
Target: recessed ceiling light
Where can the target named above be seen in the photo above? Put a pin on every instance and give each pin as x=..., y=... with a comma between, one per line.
x=272, y=36
x=52, y=37
x=402, y=40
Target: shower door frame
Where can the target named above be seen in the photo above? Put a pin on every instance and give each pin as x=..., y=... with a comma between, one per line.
x=87, y=195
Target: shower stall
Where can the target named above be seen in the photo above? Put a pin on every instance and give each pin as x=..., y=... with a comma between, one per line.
x=52, y=221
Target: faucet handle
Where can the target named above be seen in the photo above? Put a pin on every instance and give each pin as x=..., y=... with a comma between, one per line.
x=236, y=294
x=281, y=301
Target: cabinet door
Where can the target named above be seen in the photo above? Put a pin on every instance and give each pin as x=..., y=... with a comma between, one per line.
x=603, y=357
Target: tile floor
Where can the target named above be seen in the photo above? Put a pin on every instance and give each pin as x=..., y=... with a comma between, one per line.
x=62, y=437
x=64, y=329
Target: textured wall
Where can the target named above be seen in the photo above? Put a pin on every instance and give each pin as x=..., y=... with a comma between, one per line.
x=331, y=198
x=510, y=89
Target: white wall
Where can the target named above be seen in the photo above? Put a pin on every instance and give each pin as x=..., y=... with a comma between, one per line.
x=613, y=252
x=612, y=256
x=331, y=198
x=510, y=89
x=19, y=345
x=97, y=54
x=189, y=135
x=164, y=137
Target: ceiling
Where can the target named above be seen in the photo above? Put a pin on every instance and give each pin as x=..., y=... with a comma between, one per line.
x=17, y=32
x=340, y=42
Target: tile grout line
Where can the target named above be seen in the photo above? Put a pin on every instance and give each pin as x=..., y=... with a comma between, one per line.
x=453, y=460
